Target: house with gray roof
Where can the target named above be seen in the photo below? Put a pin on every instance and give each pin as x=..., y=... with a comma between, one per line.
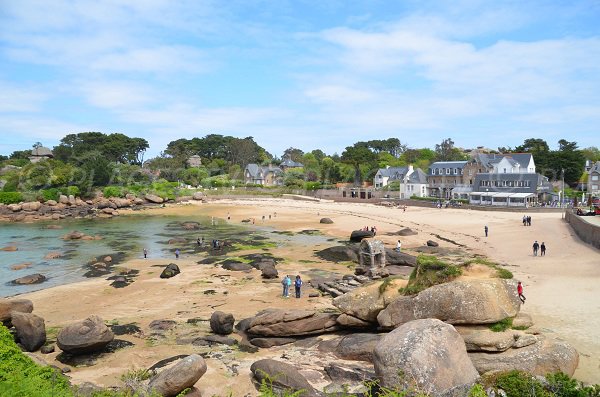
x=412, y=182
x=289, y=163
x=593, y=186
x=443, y=176
x=263, y=175
x=510, y=189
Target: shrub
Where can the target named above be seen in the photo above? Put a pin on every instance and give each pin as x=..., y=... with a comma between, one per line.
x=10, y=197
x=500, y=271
x=112, y=191
x=72, y=191
x=502, y=325
x=429, y=271
x=21, y=377
x=50, y=194
x=518, y=384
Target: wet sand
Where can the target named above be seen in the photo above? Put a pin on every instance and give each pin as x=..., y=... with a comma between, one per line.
x=561, y=288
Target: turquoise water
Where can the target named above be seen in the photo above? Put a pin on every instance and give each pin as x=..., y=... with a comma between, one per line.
x=126, y=235
x=121, y=237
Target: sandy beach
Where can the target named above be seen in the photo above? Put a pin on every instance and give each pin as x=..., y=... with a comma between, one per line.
x=561, y=288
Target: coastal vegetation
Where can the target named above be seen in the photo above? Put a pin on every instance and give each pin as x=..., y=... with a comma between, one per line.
x=88, y=162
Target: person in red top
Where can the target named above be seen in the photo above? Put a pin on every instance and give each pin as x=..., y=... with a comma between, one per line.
x=520, y=292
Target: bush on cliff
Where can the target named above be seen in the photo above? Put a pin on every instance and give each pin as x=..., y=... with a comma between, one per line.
x=10, y=197
x=429, y=271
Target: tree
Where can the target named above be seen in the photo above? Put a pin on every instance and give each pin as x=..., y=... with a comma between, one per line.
x=567, y=158
x=591, y=153
x=540, y=151
x=244, y=151
x=446, y=151
x=293, y=154
x=115, y=148
x=357, y=155
x=330, y=171
x=392, y=146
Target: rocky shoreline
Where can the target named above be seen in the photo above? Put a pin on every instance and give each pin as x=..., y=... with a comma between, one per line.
x=75, y=207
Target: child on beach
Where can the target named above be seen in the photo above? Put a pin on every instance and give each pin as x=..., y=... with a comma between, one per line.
x=177, y=253
x=520, y=292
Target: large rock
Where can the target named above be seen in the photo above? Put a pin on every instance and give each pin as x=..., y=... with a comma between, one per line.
x=237, y=266
x=326, y=221
x=8, y=306
x=477, y=301
x=284, y=377
x=545, y=356
x=427, y=354
x=171, y=270
x=348, y=321
x=292, y=323
x=31, y=206
x=431, y=243
x=153, y=198
x=406, y=232
x=15, y=207
x=357, y=347
x=393, y=257
x=522, y=320
x=198, y=196
x=271, y=342
x=269, y=272
x=84, y=336
x=357, y=235
x=222, y=323
x=31, y=331
x=172, y=381
x=121, y=202
x=36, y=278
x=340, y=253
x=485, y=340
x=367, y=301
x=74, y=235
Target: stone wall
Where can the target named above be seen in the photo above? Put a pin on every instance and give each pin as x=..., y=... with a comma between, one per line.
x=586, y=231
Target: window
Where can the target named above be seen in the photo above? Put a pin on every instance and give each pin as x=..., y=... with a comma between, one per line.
x=505, y=170
x=594, y=177
x=456, y=171
x=447, y=171
x=470, y=172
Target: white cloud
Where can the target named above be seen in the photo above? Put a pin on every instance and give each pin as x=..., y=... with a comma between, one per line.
x=20, y=98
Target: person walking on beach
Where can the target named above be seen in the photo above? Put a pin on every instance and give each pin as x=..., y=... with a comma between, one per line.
x=543, y=249
x=486, y=230
x=177, y=253
x=145, y=253
x=520, y=292
x=298, y=285
x=524, y=220
x=398, y=246
x=536, y=247
x=286, y=282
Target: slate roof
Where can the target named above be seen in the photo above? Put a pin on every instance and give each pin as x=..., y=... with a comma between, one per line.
x=537, y=183
x=255, y=169
x=488, y=160
x=393, y=172
x=595, y=167
x=447, y=164
x=418, y=176
x=290, y=164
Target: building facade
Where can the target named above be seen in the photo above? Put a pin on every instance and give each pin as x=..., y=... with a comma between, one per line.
x=593, y=186
x=263, y=175
x=443, y=176
x=411, y=181
x=511, y=189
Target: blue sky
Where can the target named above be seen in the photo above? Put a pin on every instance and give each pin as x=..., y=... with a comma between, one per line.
x=307, y=74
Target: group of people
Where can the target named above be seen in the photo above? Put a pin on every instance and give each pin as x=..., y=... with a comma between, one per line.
x=373, y=229
x=287, y=283
x=526, y=220
x=541, y=248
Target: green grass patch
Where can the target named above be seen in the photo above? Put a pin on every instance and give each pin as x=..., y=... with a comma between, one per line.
x=429, y=271
x=254, y=245
x=520, y=328
x=500, y=271
x=502, y=325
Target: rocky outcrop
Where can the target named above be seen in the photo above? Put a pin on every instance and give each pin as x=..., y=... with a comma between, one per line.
x=236, y=266
x=74, y=235
x=8, y=306
x=367, y=301
x=545, y=356
x=198, y=196
x=431, y=243
x=36, y=278
x=84, y=336
x=271, y=342
x=9, y=248
x=221, y=323
x=269, y=272
x=31, y=331
x=348, y=321
x=406, y=232
x=340, y=253
x=393, y=257
x=428, y=354
x=522, y=320
x=326, y=221
x=171, y=270
x=477, y=301
x=184, y=374
x=153, y=198
x=483, y=339
x=292, y=323
x=284, y=377
x=357, y=235
x=31, y=206
x=357, y=347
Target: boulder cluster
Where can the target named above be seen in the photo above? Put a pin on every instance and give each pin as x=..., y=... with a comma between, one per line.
x=75, y=207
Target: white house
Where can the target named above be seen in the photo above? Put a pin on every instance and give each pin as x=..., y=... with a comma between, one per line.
x=412, y=182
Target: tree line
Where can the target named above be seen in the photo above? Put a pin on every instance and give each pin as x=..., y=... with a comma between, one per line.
x=87, y=161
